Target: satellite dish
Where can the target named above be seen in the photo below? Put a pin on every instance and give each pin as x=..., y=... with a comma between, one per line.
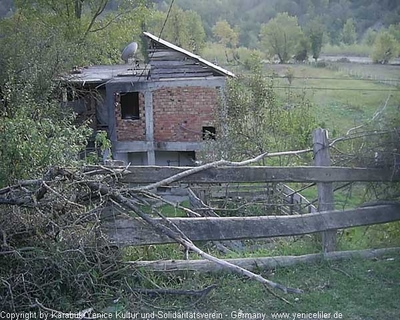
x=129, y=51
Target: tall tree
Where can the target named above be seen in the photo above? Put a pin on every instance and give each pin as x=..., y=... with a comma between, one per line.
x=315, y=31
x=225, y=34
x=38, y=46
x=385, y=48
x=34, y=132
x=349, y=35
x=98, y=34
x=394, y=30
x=78, y=18
x=280, y=36
x=183, y=28
x=369, y=37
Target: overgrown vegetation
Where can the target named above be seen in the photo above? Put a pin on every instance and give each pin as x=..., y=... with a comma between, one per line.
x=254, y=119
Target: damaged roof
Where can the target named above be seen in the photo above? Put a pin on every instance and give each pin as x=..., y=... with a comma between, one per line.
x=191, y=55
x=100, y=74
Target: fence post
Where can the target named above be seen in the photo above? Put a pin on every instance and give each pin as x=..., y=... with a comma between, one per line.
x=325, y=190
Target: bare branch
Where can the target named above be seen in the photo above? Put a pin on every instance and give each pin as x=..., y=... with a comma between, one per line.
x=190, y=246
x=100, y=9
x=79, y=315
x=189, y=172
x=109, y=22
x=377, y=114
x=61, y=196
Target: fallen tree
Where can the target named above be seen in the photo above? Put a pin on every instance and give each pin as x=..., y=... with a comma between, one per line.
x=52, y=245
x=51, y=235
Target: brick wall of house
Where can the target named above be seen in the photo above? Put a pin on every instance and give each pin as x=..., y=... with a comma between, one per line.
x=180, y=113
x=130, y=129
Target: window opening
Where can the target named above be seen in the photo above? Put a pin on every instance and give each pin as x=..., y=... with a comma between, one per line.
x=129, y=105
x=208, y=133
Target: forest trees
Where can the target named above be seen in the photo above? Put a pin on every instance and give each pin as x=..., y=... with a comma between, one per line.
x=349, y=35
x=38, y=44
x=315, y=33
x=280, y=36
x=226, y=36
x=183, y=28
x=385, y=48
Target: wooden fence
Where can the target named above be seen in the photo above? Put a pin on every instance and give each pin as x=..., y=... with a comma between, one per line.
x=134, y=231
x=129, y=231
x=275, y=196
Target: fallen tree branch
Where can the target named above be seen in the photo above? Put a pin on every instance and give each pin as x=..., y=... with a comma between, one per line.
x=55, y=313
x=226, y=246
x=377, y=114
x=187, y=243
x=206, y=166
x=62, y=197
x=176, y=234
x=188, y=211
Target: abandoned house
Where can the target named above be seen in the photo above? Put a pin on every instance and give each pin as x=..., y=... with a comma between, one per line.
x=156, y=114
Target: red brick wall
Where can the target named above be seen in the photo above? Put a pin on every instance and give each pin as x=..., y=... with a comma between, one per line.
x=128, y=129
x=180, y=113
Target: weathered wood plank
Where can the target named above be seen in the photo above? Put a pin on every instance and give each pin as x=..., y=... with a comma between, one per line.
x=166, y=55
x=131, y=231
x=196, y=203
x=168, y=64
x=168, y=70
x=150, y=174
x=182, y=75
x=326, y=199
x=264, y=263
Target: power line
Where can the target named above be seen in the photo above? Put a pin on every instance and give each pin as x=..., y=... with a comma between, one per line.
x=335, y=89
x=159, y=37
x=332, y=78
x=166, y=18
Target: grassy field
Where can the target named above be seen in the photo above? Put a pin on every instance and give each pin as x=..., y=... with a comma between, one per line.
x=329, y=288
x=386, y=73
x=340, y=100
x=357, y=289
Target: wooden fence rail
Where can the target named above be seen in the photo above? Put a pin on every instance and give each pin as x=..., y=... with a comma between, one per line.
x=262, y=263
x=133, y=231
x=259, y=174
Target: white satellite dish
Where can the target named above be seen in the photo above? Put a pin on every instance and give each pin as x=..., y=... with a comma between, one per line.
x=129, y=51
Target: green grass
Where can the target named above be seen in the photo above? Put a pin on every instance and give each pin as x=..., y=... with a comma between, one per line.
x=340, y=100
x=369, y=71
x=358, y=289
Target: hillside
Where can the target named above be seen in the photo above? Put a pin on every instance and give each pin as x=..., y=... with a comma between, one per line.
x=248, y=16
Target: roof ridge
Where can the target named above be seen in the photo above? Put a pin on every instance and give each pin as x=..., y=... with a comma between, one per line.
x=189, y=54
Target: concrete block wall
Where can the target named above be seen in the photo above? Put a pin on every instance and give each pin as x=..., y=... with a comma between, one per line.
x=130, y=129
